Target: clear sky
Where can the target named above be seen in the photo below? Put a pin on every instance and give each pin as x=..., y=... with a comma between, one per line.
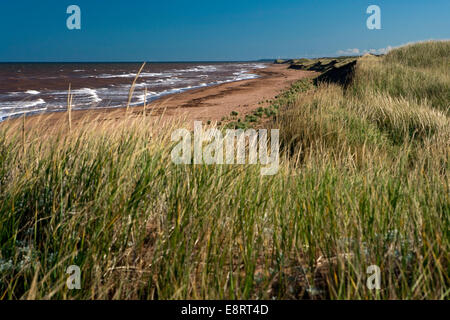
x=175, y=30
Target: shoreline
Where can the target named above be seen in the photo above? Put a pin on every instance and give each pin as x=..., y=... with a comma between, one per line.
x=204, y=104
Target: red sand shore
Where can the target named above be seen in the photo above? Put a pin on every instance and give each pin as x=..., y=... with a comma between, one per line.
x=209, y=103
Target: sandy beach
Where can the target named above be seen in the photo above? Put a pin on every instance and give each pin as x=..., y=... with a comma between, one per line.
x=205, y=104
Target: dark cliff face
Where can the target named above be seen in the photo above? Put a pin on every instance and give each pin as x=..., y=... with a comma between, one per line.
x=342, y=74
x=333, y=70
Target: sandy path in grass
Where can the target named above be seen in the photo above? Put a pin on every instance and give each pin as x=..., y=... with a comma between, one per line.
x=205, y=104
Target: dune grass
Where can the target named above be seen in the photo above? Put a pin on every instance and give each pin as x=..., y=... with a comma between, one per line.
x=363, y=181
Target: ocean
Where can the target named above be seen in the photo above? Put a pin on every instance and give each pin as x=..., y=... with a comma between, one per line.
x=43, y=87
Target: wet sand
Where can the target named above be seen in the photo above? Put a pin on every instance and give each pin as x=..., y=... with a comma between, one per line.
x=205, y=104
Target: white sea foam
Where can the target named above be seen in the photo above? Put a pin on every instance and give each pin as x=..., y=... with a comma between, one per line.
x=4, y=115
x=30, y=104
x=81, y=94
x=91, y=93
x=245, y=76
x=34, y=92
x=132, y=75
x=208, y=68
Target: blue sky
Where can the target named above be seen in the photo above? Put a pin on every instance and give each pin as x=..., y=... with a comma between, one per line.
x=174, y=30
